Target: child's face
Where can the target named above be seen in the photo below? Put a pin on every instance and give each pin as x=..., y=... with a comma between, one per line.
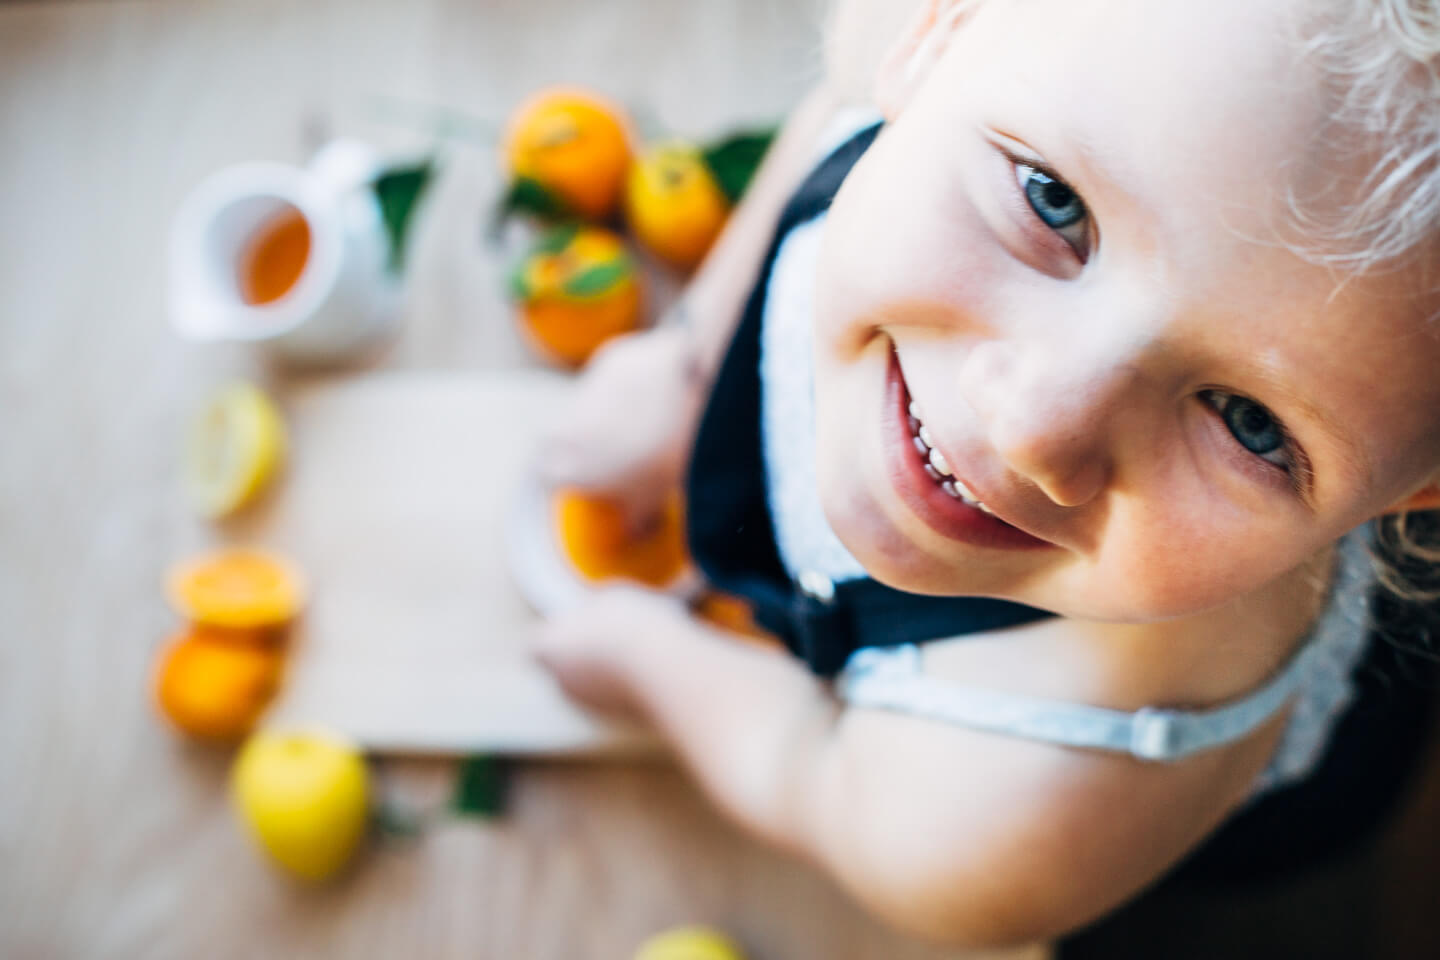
x=1130, y=368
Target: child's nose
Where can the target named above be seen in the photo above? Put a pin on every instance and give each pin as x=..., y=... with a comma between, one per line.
x=1050, y=410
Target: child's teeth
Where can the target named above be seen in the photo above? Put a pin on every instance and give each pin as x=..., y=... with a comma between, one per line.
x=937, y=468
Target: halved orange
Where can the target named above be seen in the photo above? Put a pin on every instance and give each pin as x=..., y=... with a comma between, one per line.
x=237, y=588
x=592, y=531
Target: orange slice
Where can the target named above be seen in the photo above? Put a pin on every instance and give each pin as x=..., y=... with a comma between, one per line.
x=238, y=589
x=592, y=532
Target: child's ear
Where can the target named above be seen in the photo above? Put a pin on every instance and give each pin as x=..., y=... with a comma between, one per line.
x=911, y=58
x=1426, y=498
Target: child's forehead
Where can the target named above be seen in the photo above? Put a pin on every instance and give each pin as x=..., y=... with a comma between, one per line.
x=1217, y=92
x=1198, y=131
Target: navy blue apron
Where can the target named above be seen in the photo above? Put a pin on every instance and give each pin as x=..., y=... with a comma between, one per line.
x=1370, y=759
x=729, y=526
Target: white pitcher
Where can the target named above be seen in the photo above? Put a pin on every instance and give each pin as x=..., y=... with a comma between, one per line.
x=347, y=295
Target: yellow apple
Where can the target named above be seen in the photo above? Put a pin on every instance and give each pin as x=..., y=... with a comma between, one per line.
x=689, y=943
x=304, y=797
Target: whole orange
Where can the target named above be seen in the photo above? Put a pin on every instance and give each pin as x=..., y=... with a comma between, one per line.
x=673, y=203
x=577, y=289
x=215, y=688
x=593, y=533
x=573, y=144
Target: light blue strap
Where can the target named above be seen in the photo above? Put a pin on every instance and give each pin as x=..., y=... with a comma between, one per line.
x=891, y=678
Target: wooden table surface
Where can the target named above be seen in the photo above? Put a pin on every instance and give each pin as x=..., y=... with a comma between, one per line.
x=115, y=836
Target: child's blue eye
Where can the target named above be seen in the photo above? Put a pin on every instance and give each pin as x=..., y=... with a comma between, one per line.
x=1254, y=427
x=1056, y=204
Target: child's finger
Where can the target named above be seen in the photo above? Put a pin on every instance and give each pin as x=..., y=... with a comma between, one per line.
x=587, y=668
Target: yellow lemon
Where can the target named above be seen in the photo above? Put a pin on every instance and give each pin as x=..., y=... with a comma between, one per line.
x=234, y=448
x=689, y=943
x=305, y=797
x=673, y=203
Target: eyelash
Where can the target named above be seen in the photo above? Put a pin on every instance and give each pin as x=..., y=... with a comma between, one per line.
x=1082, y=251
x=1296, y=465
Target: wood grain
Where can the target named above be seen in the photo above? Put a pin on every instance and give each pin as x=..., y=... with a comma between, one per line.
x=115, y=837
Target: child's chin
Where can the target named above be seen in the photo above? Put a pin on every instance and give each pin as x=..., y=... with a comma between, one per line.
x=886, y=553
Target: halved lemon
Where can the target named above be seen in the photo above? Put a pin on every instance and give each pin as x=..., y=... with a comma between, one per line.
x=237, y=588
x=234, y=447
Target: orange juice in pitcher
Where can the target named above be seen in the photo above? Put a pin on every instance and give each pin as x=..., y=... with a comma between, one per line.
x=275, y=258
x=294, y=259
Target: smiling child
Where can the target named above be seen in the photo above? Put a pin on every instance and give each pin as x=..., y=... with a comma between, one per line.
x=1049, y=440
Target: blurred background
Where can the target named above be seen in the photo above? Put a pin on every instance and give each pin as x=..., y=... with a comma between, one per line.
x=117, y=838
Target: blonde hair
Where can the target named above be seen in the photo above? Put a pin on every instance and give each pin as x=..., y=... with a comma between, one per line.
x=1382, y=59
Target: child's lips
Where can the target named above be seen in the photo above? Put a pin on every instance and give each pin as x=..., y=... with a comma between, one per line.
x=929, y=483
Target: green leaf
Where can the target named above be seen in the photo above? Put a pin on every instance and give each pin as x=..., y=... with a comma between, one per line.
x=519, y=286
x=555, y=240
x=390, y=821
x=598, y=279
x=481, y=786
x=528, y=196
x=734, y=160
x=399, y=190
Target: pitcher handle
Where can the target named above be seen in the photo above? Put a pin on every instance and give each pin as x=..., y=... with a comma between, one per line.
x=344, y=165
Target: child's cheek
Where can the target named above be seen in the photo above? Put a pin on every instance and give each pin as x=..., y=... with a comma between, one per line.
x=906, y=245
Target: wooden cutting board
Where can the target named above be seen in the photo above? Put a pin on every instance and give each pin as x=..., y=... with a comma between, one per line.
x=400, y=502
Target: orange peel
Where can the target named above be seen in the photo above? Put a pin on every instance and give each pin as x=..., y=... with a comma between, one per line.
x=213, y=688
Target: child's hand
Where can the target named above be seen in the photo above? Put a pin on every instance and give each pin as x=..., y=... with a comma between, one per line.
x=590, y=650
x=628, y=429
